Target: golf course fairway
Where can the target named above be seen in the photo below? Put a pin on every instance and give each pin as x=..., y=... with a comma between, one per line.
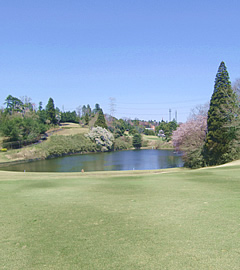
x=175, y=219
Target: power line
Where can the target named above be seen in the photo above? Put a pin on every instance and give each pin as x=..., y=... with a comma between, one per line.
x=159, y=103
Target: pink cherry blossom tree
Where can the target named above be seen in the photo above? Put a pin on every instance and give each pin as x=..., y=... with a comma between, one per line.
x=189, y=138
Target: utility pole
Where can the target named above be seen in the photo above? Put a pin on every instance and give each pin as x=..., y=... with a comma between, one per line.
x=176, y=116
x=170, y=115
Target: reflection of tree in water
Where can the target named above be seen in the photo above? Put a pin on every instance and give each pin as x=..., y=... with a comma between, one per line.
x=169, y=161
x=94, y=164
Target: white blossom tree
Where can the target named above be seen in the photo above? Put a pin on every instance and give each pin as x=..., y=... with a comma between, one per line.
x=236, y=88
x=102, y=137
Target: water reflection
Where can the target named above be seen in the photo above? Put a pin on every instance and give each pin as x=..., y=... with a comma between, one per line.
x=122, y=160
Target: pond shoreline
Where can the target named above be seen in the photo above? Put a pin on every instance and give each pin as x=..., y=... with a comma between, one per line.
x=22, y=161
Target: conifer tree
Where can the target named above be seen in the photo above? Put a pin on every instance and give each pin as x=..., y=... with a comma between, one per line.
x=218, y=146
x=86, y=118
x=51, y=112
x=101, y=122
x=137, y=140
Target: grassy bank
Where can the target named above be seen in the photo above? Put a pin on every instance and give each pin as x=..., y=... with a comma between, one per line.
x=70, y=139
x=170, y=219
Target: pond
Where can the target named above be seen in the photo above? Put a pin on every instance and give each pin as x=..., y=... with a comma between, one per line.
x=146, y=159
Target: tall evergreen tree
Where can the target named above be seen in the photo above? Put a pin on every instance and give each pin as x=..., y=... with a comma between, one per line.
x=97, y=108
x=86, y=118
x=101, y=122
x=137, y=140
x=218, y=147
x=51, y=112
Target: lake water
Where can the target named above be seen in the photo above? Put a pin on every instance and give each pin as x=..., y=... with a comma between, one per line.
x=147, y=159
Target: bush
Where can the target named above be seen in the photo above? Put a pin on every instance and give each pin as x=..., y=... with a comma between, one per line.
x=194, y=159
x=60, y=145
x=4, y=150
x=122, y=143
x=145, y=143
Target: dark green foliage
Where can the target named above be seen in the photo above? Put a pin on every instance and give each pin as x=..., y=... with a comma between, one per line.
x=167, y=128
x=132, y=130
x=137, y=140
x=20, y=124
x=69, y=117
x=86, y=118
x=101, y=122
x=118, y=129
x=41, y=113
x=194, y=159
x=89, y=110
x=51, y=112
x=13, y=104
x=222, y=78
x=97, y=108
x=22, y=130
x=221, y=116
x=148, y=132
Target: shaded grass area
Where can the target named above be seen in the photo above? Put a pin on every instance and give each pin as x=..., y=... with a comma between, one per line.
x=169, y=219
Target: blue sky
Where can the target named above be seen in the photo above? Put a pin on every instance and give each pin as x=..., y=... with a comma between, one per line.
x=151, y=56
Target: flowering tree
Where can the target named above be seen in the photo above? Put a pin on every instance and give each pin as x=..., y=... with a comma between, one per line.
x=102, y=137
x=190, y=134
x=189, y=138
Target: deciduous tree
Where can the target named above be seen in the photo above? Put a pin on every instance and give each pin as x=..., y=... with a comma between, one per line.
x=102, y=137
x=189, y=138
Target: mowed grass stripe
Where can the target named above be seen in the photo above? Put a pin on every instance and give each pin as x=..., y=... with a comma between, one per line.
x=179, y=219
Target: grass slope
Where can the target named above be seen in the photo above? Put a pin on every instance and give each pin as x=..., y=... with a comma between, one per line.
x=170, y=219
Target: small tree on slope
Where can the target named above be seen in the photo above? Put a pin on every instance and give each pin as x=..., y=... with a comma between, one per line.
x=101, y=122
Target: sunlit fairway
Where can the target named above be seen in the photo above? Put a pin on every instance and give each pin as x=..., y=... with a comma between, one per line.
x=71, y=129
x=169, y=219
x=152, y=138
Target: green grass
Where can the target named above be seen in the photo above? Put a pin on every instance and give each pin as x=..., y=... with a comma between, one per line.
x=171, y=219
x=152, y=138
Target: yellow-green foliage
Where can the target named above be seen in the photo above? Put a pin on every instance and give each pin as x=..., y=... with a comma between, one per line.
x=122, y=143
x=59, y=145
x=4, y=150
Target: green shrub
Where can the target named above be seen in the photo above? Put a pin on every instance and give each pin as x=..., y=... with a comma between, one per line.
x=122, y=143
x=145, y=143
x=137, y=140
x=60, y=145
x=194, y=159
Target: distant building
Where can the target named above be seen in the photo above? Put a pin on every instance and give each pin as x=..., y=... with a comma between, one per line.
x=151, y=128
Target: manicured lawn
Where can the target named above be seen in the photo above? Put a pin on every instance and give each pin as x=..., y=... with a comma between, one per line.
x=152, y=138
x=172, y=219
x=72, y=129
